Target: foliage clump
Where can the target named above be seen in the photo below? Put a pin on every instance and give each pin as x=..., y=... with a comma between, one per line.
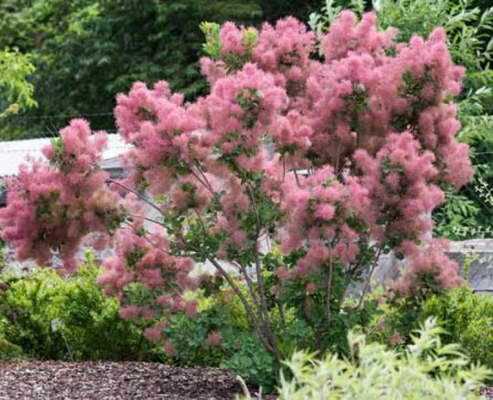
x=45, y=316
x=466, y=317
x=17, y=92
x=426, y=369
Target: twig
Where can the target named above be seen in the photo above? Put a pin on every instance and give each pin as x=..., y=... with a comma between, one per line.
x=204, y=183
x=249, y=283
x=368, y=279
x=139, y=195
x=251, y=315
x=297, y=178
x=208, y=184
x=328, y=291
x=260, y=279
x=131, y=228
x=147, y=219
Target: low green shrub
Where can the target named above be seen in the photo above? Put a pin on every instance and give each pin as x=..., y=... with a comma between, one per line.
x=219, y=336
x=46, y=316
x=9, y=351
x=466, y=317
x=426, y=369
x=50, y=317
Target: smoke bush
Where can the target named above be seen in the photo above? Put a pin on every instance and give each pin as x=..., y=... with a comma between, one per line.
x=294, y=172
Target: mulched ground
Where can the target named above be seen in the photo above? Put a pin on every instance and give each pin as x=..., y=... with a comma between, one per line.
x=50, y=380
x=113, y=381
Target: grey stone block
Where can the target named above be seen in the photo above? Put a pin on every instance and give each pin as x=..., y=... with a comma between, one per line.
x=475, y=258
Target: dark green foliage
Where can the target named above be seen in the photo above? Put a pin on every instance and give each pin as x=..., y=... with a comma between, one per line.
x=9, y=351
x=275, y=9
x=250, y=361
x=238, y=349
x=49, y=317
x=468, y=320
x=466, y=317
x=469, y=213
x=87, y=51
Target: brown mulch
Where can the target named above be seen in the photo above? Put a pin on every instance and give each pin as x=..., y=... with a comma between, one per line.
x=113, y=381
x=55, y=380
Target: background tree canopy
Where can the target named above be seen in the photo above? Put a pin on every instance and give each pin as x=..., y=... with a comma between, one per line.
x=16, y=91
x=87, y=51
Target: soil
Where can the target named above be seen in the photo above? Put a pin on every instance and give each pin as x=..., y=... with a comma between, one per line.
x=55, y=380
x=113, y=381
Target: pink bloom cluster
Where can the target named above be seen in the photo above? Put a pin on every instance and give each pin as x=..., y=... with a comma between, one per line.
x=232, y=40
x=284, y=51
x=429, y=270
x=320, y=208
x=243, y=103
x=235, y=49
x=214, y=339
x=52, y=207
x=162, y=131
x=360, y=94
x=146, y=259
x=400, y=181
x=437, y=129
x=347, y=35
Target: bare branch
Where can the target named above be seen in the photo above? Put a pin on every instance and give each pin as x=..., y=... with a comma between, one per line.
x=368, y=279
x=145, y=199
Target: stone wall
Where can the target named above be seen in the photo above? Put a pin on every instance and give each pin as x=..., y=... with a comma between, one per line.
x=475, y=258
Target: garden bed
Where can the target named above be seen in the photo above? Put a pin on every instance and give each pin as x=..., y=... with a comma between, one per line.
x=108, y=380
